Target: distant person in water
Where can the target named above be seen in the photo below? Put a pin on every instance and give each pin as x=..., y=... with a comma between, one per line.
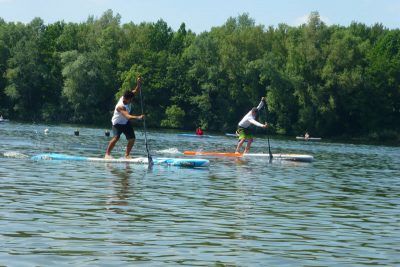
x=199, y=131
x=306, y=136
x=244, y=131
x=121, y=120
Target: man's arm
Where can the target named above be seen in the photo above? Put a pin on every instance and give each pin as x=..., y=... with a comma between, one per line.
x=256, y=123
x=259, y=107
x=138, y=85
x=125, y=113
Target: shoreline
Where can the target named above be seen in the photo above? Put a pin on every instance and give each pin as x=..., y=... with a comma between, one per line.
x=372, y=139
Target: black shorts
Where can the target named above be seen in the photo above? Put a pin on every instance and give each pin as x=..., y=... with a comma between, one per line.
x=126, y=129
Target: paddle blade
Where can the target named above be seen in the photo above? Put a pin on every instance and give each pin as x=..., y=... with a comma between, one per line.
x=269, y=151
x=151, y=163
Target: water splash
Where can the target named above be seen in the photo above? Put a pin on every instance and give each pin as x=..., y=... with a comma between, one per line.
x=172, y=150
x=13, y=154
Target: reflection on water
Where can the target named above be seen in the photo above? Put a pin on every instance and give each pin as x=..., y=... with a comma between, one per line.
x=120, y=185
x=342, y=209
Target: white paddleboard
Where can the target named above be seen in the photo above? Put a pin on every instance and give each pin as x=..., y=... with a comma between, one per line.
x=291, y=157
x=186, y=162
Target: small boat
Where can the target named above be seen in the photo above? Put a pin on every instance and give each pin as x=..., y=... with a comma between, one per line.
x=302, y=138
x=290, y=157
x=3, y=120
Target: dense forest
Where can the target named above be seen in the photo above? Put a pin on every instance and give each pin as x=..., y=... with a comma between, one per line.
x=329, y=80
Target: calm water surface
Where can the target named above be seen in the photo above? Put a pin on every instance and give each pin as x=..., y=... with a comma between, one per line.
x=341, y=210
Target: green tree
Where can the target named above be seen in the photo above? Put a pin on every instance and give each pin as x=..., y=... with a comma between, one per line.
x=329, y=80
x=174, y=117
x=383, y=95
x=341, y=97
x=28, y=73
x=84, y=86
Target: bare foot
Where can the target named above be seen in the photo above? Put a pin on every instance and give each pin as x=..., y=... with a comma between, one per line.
x=107, y=156
x=128, y=157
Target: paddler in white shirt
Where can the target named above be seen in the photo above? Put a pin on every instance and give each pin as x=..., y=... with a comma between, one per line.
x=244, y=131
x=120, y=121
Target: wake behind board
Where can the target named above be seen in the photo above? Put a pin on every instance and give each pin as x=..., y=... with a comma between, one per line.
x=291, y=157
x=190, y=163
x=198, y=136
x=308, y=139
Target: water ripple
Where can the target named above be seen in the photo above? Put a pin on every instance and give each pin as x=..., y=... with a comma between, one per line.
x=342, y=209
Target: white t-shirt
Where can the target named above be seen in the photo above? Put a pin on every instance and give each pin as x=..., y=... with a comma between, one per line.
x=117, y=117
x=249, y=119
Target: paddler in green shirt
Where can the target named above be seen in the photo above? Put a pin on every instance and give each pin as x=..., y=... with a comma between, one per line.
x=244, y=132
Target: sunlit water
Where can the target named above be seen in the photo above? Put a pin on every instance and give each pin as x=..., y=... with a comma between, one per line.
x=343, y=209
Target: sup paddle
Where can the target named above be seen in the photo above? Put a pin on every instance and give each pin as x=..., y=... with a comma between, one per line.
x=269, y=146
x=151, y=163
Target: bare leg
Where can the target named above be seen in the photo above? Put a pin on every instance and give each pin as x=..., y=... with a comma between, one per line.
x=247, y=149
x=129, y=146
x=111, y=145
x=239, y=145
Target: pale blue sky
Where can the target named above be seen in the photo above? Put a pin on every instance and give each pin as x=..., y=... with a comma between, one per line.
x=201, y=15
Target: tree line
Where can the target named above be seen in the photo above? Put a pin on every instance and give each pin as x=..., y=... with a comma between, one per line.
x=328, y=80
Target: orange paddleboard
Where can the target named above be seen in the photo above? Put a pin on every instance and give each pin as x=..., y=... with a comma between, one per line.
x=222, y=154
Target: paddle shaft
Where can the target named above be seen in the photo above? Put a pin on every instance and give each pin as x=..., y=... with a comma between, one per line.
x=269, y=146
x=144, y=128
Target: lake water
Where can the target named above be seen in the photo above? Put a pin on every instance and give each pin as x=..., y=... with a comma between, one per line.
x=341, y=210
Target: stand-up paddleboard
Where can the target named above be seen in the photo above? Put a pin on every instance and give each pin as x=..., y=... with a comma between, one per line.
x=191, y=163
x=291, y=157
x=198, y=136
x=302, y=138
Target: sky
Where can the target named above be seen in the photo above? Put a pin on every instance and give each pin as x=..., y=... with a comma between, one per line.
x=202, y=15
